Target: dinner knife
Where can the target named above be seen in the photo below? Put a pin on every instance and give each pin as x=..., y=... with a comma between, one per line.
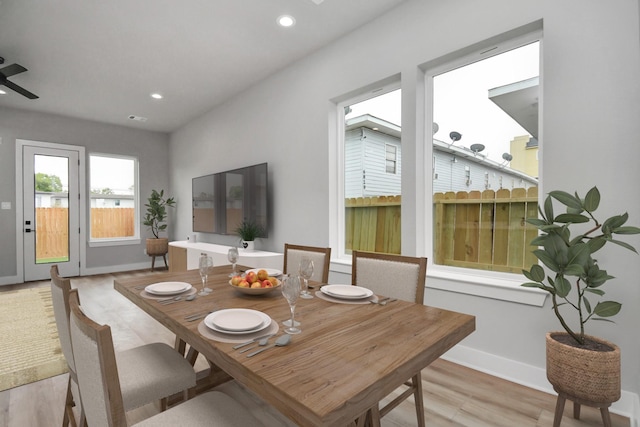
x=235, y=347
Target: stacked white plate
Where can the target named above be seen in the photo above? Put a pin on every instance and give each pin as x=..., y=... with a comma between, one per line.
x=168, y=288
x=237, y=321
x=346, y=291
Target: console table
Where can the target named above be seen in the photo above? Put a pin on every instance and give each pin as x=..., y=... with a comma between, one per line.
x=184, y=255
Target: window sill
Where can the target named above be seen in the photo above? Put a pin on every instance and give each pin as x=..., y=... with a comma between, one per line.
x=113, y=242
x=498, y=286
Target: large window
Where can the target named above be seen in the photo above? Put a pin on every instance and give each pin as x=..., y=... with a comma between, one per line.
x=113, y=196
x=485, y=157
x=372, y=169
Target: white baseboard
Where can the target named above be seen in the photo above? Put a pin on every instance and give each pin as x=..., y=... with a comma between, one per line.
x=531, y=376
x=9, y=280
x=116, y=268
x=12, y=280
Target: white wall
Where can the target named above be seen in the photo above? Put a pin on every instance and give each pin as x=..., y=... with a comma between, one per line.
x=589, y=135
x=151, y=149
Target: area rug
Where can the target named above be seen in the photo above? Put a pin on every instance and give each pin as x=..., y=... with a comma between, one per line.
x=29, y=345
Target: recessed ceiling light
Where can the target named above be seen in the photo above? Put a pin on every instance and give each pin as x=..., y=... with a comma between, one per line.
x=286, y=21
x=156, y=96
x=2, y=92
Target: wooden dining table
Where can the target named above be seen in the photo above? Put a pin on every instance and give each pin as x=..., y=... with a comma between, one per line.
x=347, y=358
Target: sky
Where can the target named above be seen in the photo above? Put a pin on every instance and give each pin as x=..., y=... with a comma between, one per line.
x=106, y=172
x=461, y=101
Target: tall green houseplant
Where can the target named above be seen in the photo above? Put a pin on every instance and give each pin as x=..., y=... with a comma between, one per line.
x=157, y=212
x=570, y=258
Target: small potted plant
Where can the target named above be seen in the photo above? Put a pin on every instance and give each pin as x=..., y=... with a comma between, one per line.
x=249, y=231
x=580, y=367
x=155, y=219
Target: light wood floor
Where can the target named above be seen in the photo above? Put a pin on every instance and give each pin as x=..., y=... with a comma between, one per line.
x=453, y=395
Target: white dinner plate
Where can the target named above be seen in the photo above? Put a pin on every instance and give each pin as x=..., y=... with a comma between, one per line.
x=270, y=271
x=237, y=321
x=346, y=291
x=168, y=288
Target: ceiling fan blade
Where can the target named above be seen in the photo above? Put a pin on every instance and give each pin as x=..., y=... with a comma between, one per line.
x=20, y=90
x=12, y=70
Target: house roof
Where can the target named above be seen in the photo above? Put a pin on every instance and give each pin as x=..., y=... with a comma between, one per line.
x=520, y=101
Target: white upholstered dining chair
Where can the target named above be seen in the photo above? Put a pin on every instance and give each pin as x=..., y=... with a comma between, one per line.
x=147, y=373
x=321, y=258
x=400, y=277
x=60, y=289
x=100, y=381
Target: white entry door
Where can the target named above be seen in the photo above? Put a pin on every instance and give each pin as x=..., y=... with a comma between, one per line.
x=51, y=211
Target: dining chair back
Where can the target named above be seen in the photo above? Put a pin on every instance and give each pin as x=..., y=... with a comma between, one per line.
x=395, y=276
x=100, y=385
x=400, y=277
x=321, y=257
x=60, y=291
x=96, y=369
x=148, y=373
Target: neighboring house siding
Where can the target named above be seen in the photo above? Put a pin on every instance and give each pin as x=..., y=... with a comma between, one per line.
x=365, y=164
x=460, y=170
x=452, y=176
x=354, y=160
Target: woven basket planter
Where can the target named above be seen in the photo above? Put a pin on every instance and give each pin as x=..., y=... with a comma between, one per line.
x=591, y=376
x=157, y=247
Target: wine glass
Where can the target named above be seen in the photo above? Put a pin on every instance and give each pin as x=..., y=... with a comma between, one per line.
x=232, y=256
x=205, y=265
x=305, y=270
x=291, y=292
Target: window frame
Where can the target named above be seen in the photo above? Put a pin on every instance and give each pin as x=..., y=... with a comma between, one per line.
x=393, y=161
x=492, y=285
x=117, y=241
x=337, y=169
x=496, y=282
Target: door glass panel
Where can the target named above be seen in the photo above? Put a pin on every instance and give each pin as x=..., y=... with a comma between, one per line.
x=51, y=204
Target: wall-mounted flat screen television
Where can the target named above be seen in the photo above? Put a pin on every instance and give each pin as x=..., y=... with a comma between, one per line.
x=221, y=201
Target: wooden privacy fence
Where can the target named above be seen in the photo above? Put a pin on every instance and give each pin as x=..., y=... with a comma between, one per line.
x=373, y=224
x=52, y=233
x=52, y=228
x=485, y=230
x=112, y=222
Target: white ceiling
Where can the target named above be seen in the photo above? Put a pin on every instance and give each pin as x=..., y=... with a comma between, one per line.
x=101, y=60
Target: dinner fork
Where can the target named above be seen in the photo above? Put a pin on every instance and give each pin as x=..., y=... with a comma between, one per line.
x=382, y=301
x=167, y=301
x=197, y=316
